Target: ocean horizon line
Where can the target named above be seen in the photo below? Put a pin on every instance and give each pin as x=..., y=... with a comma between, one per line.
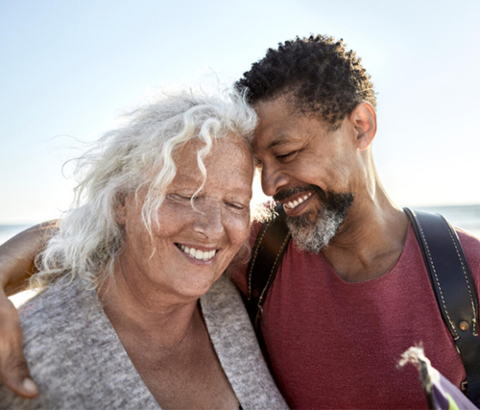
x=465, y=216
x=433, y=208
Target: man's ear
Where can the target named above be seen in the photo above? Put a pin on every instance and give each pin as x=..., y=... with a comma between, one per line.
x=364, y=120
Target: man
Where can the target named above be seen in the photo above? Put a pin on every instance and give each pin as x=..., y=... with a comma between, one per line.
x=352, y=292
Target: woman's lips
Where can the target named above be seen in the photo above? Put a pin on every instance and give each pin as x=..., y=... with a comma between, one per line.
x=199, y=254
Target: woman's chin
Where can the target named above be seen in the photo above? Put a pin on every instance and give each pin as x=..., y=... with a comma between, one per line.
x=194, y=288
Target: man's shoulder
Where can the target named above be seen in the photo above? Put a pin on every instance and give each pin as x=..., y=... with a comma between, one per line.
x=468, y=239
x=471, y=247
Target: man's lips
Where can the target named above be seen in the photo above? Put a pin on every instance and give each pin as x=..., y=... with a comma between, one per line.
x=295, y=204
x=295, y=200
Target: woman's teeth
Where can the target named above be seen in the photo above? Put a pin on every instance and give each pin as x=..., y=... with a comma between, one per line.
x=198, y=254
x=294, y=204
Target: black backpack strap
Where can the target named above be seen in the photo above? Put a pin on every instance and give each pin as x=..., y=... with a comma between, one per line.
x=454, y=289
x=271, y=243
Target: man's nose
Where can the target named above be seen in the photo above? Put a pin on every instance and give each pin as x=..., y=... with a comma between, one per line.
x=209, y=222
x=273, y=178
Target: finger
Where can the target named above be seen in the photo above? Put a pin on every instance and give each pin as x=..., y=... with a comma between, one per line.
x=13, y=366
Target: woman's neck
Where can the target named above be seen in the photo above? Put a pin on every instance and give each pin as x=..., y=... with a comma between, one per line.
x=135, y=308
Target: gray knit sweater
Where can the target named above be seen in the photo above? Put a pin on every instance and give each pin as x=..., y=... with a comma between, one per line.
x=78, y=361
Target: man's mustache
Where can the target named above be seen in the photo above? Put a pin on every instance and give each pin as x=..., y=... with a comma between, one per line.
x=288, y=192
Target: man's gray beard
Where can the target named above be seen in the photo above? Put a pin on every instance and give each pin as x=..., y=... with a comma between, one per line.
x=314, y=235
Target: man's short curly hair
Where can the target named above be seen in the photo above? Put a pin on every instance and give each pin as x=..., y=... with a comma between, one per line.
x=323, y=77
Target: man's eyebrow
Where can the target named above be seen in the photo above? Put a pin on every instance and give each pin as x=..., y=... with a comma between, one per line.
x=280, y=140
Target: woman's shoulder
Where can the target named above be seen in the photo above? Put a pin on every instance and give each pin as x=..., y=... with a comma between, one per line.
x=55, y=321
x=51, y=323
x=52, y=310
x=234, y=340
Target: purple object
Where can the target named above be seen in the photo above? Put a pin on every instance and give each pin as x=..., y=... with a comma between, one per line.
x=441, y=393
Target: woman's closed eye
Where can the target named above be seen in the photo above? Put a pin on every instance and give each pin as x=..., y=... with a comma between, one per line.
x=181, y=197
x=236, y=205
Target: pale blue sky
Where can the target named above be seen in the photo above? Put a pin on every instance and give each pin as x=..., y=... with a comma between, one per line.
x=68, y=68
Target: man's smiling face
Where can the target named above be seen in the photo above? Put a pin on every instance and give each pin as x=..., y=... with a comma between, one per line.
x=307, y=167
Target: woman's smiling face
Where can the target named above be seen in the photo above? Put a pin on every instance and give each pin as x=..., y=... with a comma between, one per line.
x=191, y=245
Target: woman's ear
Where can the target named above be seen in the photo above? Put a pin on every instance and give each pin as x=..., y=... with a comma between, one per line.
x=364, y=120
x=121, y=208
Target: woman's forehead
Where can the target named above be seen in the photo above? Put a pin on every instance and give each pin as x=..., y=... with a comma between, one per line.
x=229, y=162
x=224, y=150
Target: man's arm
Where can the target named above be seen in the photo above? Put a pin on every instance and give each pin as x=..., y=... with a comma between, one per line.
x=16, y=266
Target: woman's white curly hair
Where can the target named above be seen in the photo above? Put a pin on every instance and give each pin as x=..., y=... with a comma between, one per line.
x=89, y=238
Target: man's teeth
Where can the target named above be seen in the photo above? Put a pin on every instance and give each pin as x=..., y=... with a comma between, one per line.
x=294, y=204
x=198, y=254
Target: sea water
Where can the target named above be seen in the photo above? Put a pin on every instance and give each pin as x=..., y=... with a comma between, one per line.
x=466, y=217
x=8, y=231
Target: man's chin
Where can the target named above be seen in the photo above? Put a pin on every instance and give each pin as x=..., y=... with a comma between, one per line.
x=305, y=220
x=312, y=231
x=313, y=236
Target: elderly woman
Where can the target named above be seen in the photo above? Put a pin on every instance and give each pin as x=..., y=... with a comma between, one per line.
x=136, y=313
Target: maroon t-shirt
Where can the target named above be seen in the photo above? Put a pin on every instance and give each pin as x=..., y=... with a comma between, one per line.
x=333, y=344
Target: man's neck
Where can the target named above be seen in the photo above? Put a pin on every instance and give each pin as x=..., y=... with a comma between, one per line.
x=371, y=239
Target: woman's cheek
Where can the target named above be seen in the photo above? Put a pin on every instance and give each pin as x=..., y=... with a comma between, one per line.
x=241, y=227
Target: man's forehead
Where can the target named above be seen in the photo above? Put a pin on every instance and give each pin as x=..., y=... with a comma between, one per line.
x=268, y=142
x=272, y=109
x=284, y=131
x=280, y=123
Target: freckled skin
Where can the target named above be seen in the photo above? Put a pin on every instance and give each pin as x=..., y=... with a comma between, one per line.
x=152, y=300
x=219, y=220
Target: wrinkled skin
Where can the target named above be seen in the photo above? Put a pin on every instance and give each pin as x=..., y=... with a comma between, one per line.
x=222, y=206
x=293, y=153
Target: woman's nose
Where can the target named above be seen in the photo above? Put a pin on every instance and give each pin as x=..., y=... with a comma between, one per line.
x=209, y=221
